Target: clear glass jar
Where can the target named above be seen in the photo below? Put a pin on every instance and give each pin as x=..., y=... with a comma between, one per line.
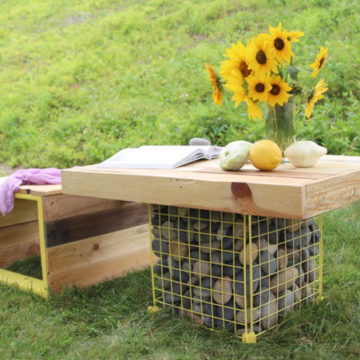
x=281, y=124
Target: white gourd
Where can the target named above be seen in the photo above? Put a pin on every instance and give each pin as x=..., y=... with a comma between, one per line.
x=234, y=155
x=304, y=153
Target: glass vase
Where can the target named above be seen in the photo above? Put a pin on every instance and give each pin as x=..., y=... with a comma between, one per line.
x=281, y=124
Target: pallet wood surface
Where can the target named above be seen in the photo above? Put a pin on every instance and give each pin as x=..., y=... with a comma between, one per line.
x=285, y=192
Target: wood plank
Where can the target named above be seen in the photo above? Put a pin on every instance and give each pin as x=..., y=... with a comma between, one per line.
x=41, y=190
x=24, y=211
x=63, y=206
x=333, y=193
x=284, y=192
x=104, y=257
x=94, y=224
x=231, y=197
x=18, y=242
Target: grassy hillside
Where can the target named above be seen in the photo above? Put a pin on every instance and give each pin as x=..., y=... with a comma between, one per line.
x=81, y=79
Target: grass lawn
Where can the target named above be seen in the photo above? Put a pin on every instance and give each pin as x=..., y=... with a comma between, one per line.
x=110, y=320
x=81, y=79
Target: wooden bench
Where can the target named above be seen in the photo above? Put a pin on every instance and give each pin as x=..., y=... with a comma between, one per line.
x=80, y=240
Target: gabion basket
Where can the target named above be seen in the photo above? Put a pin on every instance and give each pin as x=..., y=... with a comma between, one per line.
x=231, y=271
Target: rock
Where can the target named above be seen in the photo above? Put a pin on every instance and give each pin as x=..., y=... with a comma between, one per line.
x=240, y=300
x=227, y=313
x=222, y=291
x=178, y=275
x=297, y=294
x=231, y=269
x=207, y=282
x=260, y=229
x=201, y=268
x=244, y=316
x=156, y=232
x=195, y=253
x=216, y=270
x=282, y=258
x=173, y=264
x=184, y=233
x=171, y=298
x=215, y=216
x=301, y=278
x=238, y=283
x=314, y=228
x=178, y=250
x=269, y=263
x=307, y=293
x=223, y=231
x=314, y=250
x=269, y=312
x=163, y=282
x=195, y=318
x=309, y=270
x=167, y=231
x=186, y=300
x=227, y=243
x=263, y=293
x=155, y=220
x=161, y=266
x=297, y=239
x=199, y=214
x=160, y=248
x=297, y=256
x=210, y=247
x=193, y=280
x=201, y=293
x=249, y=255
x=199, y=141
x=238, y=230
x=186, y=265
x=286, y=302
x=283, y=280
x=183, y=212
x=203, y=239
x=202, y=226
x=293, y=225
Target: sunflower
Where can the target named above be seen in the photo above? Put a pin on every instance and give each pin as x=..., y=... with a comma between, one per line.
x=293, y=35
x=235, y=84
x=280, y=44
x=260, y=54
x=319, y=62
x=216, y=85
x=258, y=87
x=253, y=110
x=279, y=91
x=315, y=96
x=237, y=56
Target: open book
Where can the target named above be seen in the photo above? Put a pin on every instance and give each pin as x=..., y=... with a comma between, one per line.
x=160, y=157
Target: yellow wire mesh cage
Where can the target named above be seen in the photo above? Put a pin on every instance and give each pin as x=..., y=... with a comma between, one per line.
x=230, y=271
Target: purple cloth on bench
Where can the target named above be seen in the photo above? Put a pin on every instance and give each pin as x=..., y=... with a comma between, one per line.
x=11, y=185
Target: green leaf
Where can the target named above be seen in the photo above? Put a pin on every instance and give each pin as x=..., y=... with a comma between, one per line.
x=293, y=72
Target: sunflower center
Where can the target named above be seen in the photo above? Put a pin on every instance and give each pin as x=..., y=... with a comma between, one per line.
x=279, y=44
x=321, y=62
x=275, y=90
x=259, y=87
x=244, y=69
x=261, y=57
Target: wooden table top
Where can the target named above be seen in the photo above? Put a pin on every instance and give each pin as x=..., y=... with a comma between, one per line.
x=40, y=190
x=284, y=192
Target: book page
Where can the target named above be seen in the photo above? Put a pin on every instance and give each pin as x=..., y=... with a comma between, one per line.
x=159, y=157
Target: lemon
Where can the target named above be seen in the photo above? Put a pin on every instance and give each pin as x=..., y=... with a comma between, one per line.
x=265, y=155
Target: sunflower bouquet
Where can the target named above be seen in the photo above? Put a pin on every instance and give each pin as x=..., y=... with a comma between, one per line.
x=263, y=71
